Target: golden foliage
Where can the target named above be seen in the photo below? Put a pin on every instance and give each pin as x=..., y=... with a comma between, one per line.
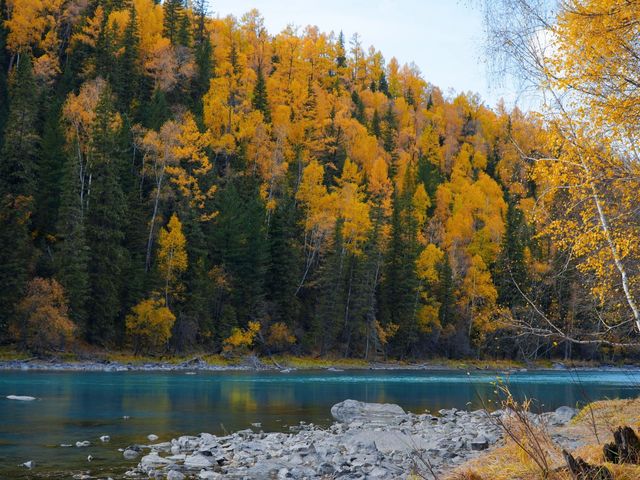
x=427, y=263
x=149, y=325
x=385, y=332
x=44, y=310
x=279, y=336
x=172, y=255
x=241, y=339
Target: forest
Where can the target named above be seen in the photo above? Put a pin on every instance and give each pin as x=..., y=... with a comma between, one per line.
x=174, y=181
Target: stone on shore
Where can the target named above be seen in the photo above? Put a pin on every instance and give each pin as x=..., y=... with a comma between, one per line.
x=153, y=460
x=353, y=410
x=130, y=454
x=563, y=415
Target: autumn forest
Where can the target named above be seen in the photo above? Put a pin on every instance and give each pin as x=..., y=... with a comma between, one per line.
x=172, y=180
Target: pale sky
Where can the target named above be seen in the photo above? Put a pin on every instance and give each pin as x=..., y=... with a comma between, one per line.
x=443, y=37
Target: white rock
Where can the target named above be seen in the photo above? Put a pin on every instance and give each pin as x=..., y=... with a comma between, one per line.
x=351, y=410
x=29, y=464
x=84, y=443
x=105, y=438
x=22, y=398
x=152, y=437
x=563, y=415
x=154, y=460
x=197, y=461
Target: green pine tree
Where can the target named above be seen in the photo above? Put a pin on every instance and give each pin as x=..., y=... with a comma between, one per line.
x=105, y=223
x=129, y=70
x=400, y=283
x=71, y=255
x=173, y=21
x=4, y=66
x=260, y=99
x=18, y=166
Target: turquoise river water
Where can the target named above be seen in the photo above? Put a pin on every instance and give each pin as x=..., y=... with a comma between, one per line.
x=127, y=406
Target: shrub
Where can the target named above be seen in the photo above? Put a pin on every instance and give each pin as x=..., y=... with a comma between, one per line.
x=149, y=325
x=279, y=336
x=44, y=310
x=241, y=339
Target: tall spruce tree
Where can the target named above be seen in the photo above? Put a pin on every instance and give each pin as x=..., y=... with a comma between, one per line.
x=18, y=166
x=260, y=100
x=71, y=257
x=203, y=53
x=105, y=225
x=285, y=264
x=241, y=244
x=510, y=270
x=400, y=284
x=4, y=66
x=50, y=173
x=127, y=81
x=331, y=302
x=173, y=21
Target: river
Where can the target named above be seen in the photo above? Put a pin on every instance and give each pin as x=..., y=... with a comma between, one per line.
x=78, y=406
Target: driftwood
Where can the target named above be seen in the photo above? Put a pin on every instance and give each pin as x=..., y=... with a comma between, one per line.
x=581, y=470
x=625, y=447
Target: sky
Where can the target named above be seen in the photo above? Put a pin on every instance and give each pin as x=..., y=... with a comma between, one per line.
x=444, y=38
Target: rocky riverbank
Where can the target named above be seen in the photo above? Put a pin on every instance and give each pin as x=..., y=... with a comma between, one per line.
x=367, y=441
x=254, y=363
x=114, y=366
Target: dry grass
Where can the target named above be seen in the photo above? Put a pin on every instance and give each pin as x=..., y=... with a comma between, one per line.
x=317, y=362
x=510, y=462
x=607, y=415
x=12, y=353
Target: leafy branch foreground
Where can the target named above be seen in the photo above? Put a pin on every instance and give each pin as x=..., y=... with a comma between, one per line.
x=532, y=451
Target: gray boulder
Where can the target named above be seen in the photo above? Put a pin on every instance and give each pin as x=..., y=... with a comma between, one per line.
x=197, y=461
x=353, y=410
x=130, y=454
x=153, y=460
x=563, y=415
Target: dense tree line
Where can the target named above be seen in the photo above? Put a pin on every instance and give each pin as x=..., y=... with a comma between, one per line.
x=173, y=180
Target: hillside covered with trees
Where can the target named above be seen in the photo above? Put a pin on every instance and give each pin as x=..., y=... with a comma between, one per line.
x=171, y=180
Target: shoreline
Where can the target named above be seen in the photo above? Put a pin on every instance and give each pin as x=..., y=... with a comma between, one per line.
x=253, y=364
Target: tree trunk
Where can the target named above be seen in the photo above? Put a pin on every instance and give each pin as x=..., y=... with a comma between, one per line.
x=625, y=447
x=581, y=470
x=153, y=221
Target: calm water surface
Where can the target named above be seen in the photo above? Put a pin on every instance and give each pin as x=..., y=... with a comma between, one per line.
x=76, y=406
